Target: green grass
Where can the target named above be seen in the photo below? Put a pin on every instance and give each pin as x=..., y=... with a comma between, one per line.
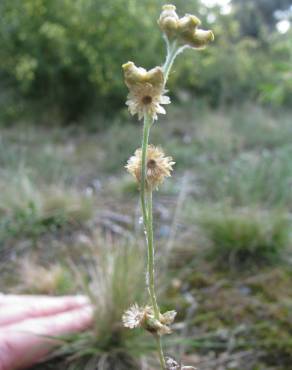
x=112, y=278
x=245, y=237
x=29, y=210
x=252, y=178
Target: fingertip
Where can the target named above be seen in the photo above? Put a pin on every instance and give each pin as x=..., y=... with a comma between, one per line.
x=85, y=316
x=82, y=300
x=72, y=321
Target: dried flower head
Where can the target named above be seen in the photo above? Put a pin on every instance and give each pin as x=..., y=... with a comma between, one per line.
x=157, y=166
x=168, y=317
x=184, y=30
x=146, y=90
x=143, y=317
x=168, y=20
x=155, y=327
x=135, y=316
x=136, y=75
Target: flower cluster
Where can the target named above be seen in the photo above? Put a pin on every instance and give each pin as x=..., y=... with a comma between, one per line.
x=157, y=166
x=146, y=90
x=143, y=317
x=184, y=30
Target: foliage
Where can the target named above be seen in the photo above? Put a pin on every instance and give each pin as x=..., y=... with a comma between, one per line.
x=262, y=10
x=27, y=211
x=69, y=54
x=245, y=237
x=277, y=89
x=66, y=56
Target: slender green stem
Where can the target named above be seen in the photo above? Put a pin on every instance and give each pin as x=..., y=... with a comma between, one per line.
x=146, y=203
x=146, y=130
x=151, y=274
x=147, y=212
x=150, y=265
x=160, y=353
x=172, y=51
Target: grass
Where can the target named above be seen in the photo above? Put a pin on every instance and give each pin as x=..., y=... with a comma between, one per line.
x=245, y=237
x=37, y=279
x=30, y=211
x=64, y=196
x=256, y=178
x=111, y=276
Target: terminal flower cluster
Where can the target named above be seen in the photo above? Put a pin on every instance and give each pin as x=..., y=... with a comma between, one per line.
x=185, y=29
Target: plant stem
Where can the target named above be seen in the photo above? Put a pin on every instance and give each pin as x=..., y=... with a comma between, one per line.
x=146, y=203
x=146, y=130
x=150, y=265
x=160, y=353
x=172, y=51
x=151, y=273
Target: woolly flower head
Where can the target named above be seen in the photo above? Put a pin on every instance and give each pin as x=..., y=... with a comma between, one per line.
x=143, y=317
x=185, y=29
x=157, y=166
x=135, y=316
x=146, y=90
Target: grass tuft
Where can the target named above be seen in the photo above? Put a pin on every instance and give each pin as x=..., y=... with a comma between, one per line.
x=245, y=237
x=29, y=211
x=111, y=276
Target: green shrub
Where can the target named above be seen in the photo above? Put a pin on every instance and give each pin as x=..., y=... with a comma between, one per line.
x=69, y=53
x=277, y=89
x=66, y=56
x=245, y=237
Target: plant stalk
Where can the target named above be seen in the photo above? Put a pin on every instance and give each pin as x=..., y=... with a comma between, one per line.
x=172, y=51
x=147, y=212
x=150, y=264
x=160, y=353
x=146, y=130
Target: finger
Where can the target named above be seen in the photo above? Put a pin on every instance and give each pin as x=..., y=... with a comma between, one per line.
x=27, y=342
x=9, y=299
x=28, y=307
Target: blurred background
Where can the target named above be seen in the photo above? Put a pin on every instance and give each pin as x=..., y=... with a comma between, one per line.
x=223, y=221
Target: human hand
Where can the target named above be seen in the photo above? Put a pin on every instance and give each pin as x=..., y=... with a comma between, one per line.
x=28, y=325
